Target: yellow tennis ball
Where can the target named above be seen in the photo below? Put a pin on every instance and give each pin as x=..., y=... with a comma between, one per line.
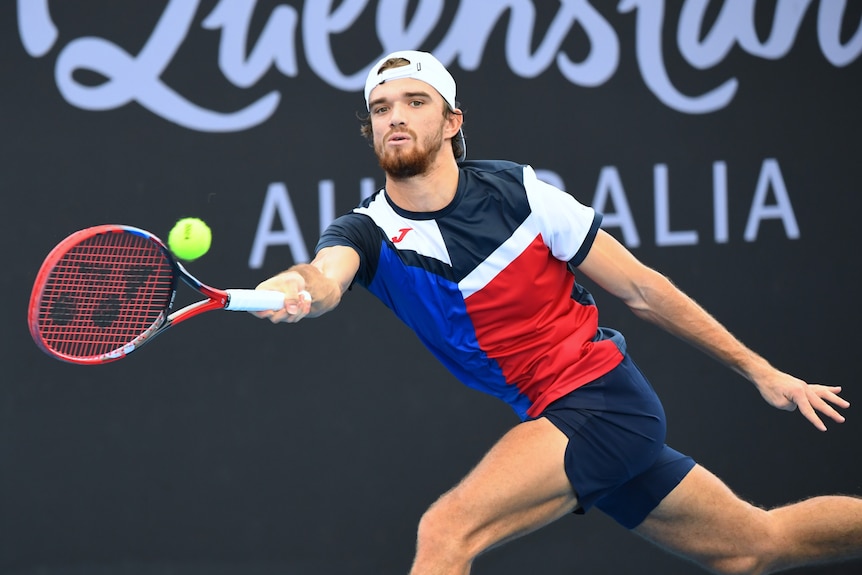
x=190, y=238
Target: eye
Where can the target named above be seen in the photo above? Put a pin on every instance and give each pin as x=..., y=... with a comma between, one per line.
x=416, y=103
x=379, y=110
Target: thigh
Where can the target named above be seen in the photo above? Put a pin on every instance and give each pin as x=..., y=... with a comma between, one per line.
x=703, y=520
x=517, y=487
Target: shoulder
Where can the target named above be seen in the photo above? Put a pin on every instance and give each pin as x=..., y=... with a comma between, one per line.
x=353, y=229
x=489, y=169
x=494, y=177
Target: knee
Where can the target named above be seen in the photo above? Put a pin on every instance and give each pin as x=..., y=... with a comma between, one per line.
x=754, y=552
x=740, y=564
x=441, y=534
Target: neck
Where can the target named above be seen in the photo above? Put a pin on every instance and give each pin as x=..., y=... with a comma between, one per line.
x=428, y=192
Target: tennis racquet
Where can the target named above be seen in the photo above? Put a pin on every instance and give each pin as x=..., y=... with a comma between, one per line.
x=105, y=291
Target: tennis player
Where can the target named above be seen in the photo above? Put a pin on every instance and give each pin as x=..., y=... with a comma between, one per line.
x=479, y=258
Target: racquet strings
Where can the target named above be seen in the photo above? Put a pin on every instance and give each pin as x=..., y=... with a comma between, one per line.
x=104, y=292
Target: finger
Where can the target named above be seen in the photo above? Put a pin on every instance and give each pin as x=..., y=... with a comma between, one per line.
x=263, y=314
x=820, y=404
x=296, y=309
x=306, y=300
x=810, y=414
x=830, y=394
x=298, y=306
x=294, y=306
x=278, y=317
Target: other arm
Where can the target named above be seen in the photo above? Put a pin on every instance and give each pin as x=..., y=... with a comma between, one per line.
x=651, y=296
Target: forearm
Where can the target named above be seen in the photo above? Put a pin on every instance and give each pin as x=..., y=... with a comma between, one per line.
x=664, y=305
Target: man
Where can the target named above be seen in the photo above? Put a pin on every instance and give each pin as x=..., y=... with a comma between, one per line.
x=478, y=257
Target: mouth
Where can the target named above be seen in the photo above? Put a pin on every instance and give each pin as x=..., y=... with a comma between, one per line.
x=398, y=138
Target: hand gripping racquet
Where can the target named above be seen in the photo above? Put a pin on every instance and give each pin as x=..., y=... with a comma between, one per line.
x=105, y=291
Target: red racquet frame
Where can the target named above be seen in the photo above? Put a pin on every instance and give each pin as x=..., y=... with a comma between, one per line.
x=105, y=291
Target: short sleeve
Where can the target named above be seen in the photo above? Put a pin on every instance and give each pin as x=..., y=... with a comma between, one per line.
x=568, y=227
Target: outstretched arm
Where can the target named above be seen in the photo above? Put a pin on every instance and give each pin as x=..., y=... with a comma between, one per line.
x=651, y=296
x=325, y=279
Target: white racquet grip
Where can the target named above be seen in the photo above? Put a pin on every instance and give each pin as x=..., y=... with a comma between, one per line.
x=254, y=300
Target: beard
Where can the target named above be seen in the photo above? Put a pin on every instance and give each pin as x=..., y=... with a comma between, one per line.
x=402, y=164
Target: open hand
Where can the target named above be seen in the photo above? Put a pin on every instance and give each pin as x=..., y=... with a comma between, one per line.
x=786, y=392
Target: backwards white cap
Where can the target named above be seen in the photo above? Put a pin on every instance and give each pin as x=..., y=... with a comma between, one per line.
x=423, y=66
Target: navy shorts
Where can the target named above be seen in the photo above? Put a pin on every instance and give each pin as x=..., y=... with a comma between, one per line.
x=616, y=458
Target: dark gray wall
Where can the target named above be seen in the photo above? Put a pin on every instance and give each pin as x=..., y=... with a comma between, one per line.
x=235, y=446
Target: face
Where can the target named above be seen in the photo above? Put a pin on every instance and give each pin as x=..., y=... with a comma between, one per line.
x=409, y=126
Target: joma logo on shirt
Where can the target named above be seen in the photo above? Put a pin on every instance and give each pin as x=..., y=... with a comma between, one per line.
x=400, y=236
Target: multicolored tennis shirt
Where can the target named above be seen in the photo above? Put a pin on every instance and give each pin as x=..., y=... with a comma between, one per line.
x=488, y=283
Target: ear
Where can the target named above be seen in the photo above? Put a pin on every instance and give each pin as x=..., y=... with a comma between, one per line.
x=454, y=123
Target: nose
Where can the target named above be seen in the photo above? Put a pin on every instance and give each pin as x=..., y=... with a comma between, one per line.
x=397, y=117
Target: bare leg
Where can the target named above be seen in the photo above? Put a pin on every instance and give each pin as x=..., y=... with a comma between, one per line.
x=704, y=521
x=519, y=486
